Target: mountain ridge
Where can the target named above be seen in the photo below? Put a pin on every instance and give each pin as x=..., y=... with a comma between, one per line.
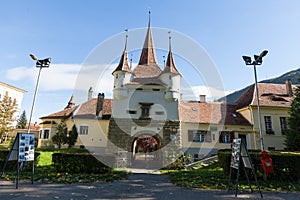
x=293, y=75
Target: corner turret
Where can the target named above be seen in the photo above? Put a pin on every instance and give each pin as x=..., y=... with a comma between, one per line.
x=122, y=75
x=171, y=77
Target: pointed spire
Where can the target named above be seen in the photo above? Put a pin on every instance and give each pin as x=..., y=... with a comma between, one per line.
x=148, y=53
x=170, y=65
x=70, y=103
x=123, y=64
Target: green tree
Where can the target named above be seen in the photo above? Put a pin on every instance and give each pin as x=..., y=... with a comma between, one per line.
x=22, y=120
x=60, y=136
x=8, y=107
x=72, y=137
x=292, y=140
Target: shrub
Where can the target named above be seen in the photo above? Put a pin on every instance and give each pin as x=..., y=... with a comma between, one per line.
x=80, y=163
x=12, y=165
x=285, y=165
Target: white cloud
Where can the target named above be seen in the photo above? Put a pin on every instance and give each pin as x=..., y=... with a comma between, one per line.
x=66, y=77
x=56, y=77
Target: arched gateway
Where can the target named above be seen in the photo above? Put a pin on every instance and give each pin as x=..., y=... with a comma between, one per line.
x=146, y=151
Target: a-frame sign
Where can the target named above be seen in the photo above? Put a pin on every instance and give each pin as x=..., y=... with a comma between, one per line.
x=240, y=153
x=22, y=151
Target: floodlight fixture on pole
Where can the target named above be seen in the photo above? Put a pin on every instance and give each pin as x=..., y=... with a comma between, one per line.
x=257, y=61
x=45, y=63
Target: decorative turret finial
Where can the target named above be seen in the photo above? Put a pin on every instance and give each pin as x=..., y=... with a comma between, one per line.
x=149, y=18
x=169, y=40
x=126, y=30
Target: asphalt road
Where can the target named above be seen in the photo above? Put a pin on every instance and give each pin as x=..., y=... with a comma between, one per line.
x=137, y=186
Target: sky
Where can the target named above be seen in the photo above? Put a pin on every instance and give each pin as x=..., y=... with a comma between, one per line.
x=70, y=31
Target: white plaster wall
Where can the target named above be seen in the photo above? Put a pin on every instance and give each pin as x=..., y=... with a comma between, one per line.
x=172, y=81
x=160, y=110
x=14, y=94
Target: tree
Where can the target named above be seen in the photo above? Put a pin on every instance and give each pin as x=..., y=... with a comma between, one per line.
x=292, y=140
x=72, y=137
x=22, y=121
x=60, y=136
x=8, y=108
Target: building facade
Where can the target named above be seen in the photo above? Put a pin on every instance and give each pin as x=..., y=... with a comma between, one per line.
x=14, y=93
x=147, y=116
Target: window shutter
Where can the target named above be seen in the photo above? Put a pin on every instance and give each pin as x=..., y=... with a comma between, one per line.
x=190, y=135
x=208, y=136
x=220, y=137
x=231, y=136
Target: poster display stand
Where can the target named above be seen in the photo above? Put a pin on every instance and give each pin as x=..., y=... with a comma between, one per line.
x=21, y=151
x=240, y=153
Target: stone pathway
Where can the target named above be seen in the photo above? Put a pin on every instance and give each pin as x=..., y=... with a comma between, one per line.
x=137, y=186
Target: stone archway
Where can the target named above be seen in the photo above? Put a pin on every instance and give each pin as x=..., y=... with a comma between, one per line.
x=146, y=152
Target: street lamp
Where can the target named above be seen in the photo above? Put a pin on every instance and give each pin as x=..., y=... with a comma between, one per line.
x=45, y=63
x=257, y=61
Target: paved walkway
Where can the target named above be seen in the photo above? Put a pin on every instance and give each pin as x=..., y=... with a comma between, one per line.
x=138, y=186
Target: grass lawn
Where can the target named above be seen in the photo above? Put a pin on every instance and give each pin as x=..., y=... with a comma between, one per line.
x=212, y=177
x=44, y=171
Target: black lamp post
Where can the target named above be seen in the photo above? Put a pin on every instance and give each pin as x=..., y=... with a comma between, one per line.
x=257, y=61
x=45, y=63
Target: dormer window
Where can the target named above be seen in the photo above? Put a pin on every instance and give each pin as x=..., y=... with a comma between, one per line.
x=145, y=110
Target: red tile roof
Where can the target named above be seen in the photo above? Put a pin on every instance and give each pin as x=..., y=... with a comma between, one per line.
x=86, y=109
x=66, y=112
x=210, y=113
x=146, y=81
x=170, y=65
x=269, y=95
x=148, y=52
x=146, y=71
x=123, y=64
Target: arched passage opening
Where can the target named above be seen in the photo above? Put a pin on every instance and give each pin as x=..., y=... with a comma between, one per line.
x=146, y=151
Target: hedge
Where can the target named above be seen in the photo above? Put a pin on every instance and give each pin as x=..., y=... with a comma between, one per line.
x=12, y=165
x=285, y=165
x=81, y=163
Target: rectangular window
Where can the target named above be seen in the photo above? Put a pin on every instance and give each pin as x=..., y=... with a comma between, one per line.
x=199, y=136
x=159, y=112
x=283, y=124
x=226, y=137
x=131, y=112
x=83, y=130
x=145, y=108
x=268, y=125
x=46, y=134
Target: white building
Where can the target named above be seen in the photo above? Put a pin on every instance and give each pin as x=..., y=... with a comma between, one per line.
x=14, y=93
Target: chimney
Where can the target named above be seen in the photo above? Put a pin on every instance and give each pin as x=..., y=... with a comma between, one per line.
x=288, y=86
x=100, y=101
x=202, y=98
x=90, y=93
